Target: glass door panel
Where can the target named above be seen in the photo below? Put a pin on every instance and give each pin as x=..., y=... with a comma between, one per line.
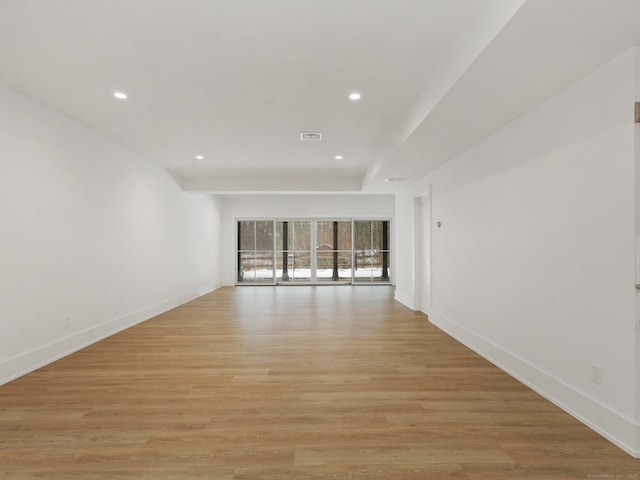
x=362, y=251
x=246, y=262
x=247, y=236
x=333, y=251
x=363, y=271
x=293, y=251
x=301, y=262
x=255, y=252
x=247, y=267
x=264, y=252
x=371, y=251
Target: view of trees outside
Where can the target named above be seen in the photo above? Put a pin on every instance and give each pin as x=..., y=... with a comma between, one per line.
x=255, y=256
x=369, y=242
x=325, y=251
x=261, y=247
x=298, y=251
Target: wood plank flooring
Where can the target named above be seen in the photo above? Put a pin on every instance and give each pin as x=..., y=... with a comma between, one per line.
x=289, y=383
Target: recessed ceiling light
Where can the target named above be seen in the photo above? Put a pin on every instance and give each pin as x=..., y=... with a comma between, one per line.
x=199, y=157
x=338, y=157
x=120, y=95
x=354, y=96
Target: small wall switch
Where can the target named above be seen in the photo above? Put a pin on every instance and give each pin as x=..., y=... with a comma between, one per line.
x=596, y=374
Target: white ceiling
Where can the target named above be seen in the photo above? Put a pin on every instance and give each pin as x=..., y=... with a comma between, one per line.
x=238, y=80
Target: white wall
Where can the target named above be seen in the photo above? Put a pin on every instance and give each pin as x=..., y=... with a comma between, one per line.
x=534, y=265
x=298, y=206
x=93, y=238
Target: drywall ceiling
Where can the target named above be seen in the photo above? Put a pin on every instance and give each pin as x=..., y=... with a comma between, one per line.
x=236, y=81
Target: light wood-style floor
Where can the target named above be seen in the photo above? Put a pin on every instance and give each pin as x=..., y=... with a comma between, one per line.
x=290, y=383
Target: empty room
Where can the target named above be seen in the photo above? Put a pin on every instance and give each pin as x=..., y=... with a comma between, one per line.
x=319, y=239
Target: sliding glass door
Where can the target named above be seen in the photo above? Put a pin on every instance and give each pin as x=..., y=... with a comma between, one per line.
x=371, y=251
x=293, y=251
x=255, y=252
x=286, y=252
x=333, y=251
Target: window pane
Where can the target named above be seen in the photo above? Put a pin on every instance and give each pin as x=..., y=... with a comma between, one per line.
x=324, y=271
x=300, y=236
x=280, y=276
x=280, y=235
x=324, y=236
x=362, y=234
x=363, y=266
x=386, y=274
x=376, y=266
x=300, y=267
x=247, y=272
x=376, y=235
x=324, y=266
x=264, y=267
x=370, y=269
x=264, y=236
x=344, y=236
x=344, y=264
x=246, y=230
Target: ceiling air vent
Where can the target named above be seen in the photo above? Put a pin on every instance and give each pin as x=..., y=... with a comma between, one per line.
x=310, y=136
x=395, y=179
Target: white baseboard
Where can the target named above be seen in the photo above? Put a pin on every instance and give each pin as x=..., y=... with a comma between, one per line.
x=27, y=362
x=617, y=428
x=210, y=288
x=406, y=300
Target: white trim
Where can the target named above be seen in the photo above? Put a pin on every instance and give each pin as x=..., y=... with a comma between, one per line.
x=614, y=426
x=417, y=255
x=405, y=300
x=27, y=362
x=422, y=251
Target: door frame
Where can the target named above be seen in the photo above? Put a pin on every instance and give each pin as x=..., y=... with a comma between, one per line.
x=422, y=252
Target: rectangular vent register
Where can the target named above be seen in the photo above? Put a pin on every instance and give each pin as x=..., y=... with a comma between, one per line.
x=310, y=136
